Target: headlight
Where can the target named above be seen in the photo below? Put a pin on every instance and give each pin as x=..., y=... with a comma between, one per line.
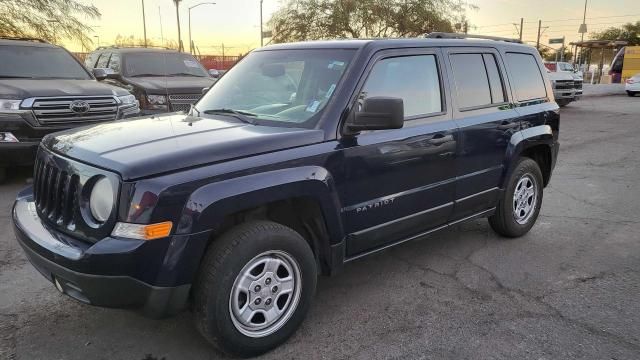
x=10, y=104
x=101, y=200
x=127, y=99
x=157, y=99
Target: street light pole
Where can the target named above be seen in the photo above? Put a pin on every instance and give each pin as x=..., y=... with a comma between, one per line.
x=261, y=32
x=144, y=24
x=194, y=6
x=177, y=2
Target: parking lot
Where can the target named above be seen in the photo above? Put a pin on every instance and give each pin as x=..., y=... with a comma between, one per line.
x=568, y=289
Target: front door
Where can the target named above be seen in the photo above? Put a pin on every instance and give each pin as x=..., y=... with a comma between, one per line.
x=400, y=183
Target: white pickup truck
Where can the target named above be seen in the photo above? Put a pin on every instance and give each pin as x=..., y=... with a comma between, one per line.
x=567, y=82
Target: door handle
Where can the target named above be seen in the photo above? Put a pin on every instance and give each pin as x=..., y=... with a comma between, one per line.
x=508, y=125
x=440, y=139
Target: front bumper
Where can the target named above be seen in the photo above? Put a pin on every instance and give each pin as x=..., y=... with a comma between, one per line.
x=568, y=94
x=108, y=272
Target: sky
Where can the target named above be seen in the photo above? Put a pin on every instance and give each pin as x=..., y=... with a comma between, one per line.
x=236, y=23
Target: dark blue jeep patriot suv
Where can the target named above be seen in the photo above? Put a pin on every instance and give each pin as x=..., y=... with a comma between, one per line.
x=300, y=159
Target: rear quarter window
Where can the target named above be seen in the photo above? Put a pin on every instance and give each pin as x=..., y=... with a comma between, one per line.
x=528, y=82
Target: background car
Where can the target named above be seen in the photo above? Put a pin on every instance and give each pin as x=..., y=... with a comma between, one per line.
x=632, y=85
x=43, y=89
x=162, y=80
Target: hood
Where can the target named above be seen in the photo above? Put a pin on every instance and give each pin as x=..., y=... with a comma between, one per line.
x=26, y=88
x=171, y=85
x=147, y=146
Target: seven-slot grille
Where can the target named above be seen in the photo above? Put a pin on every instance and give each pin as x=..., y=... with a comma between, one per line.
x=58, y=110
x=55, y=193
x=182, y=102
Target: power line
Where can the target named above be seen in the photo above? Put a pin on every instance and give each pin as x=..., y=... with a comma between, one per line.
x=557, y=20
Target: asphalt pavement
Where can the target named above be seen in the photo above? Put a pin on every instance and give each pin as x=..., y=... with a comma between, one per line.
x=567, y=290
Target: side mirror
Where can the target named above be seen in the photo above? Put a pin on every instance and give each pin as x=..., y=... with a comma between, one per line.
x=204, y=90
x=100, y=74
x=378, y=113
x=105, y=73
x=214, y=73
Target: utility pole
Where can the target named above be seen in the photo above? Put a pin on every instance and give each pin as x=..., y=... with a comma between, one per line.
x=261, y=32
x=177, y=2
x=583, y=30
x=538, y=41
x=466, y=27
x=144, y=24
x=521, y=23
x=222, y=51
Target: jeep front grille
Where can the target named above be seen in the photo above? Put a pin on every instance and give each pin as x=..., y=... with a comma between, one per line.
x=182, y=102
x=58, y=110
x=55, y=192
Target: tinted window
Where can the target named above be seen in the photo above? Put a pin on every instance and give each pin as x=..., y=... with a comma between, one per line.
x=527, y=79
x=39, y=62
x=472, y=83
x=495, y=80
x=162, y=64
x=114, y=63
x=103, y=60
x=412, y=78
x=90, y=61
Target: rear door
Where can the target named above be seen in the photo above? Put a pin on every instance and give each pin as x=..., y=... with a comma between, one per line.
x=400, y=182
x=487, y=120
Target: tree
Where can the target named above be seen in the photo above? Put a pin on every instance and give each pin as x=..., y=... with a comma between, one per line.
x=629, y=32
x=52, y=20
x=300, y=20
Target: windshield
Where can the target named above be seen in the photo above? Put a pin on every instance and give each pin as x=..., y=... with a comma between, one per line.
x=280, y=87
x=34, y=62
x=566, y=67
x=162, y=64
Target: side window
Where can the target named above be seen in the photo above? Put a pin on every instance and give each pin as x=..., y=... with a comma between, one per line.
x=527, y=79
x=90, y=61
x=495, y=80
x=472, y=82
x=114, y=63
x=413, y=78
x=103, y=60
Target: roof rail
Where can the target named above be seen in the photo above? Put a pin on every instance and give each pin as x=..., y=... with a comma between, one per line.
x=444, y=35
x=21, y=38
x=133, y=47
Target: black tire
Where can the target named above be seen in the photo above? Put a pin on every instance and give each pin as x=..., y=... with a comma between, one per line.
x=223, y=262
x=631, y=93
x=563, y=103
x=3, y=175
x=504, y=221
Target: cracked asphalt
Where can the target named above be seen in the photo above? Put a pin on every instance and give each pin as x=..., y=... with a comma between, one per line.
x=567, y=290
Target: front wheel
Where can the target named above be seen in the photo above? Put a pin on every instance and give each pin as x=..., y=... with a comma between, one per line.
x=519, y=207
x=631, y=93
x=254, y=288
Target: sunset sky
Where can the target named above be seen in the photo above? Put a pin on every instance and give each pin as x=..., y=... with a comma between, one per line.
x=236, y=22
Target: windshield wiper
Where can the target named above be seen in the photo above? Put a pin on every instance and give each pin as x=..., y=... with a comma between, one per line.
x=15, y=77
x=142, y=75
x=238, y=114
x=184, y=74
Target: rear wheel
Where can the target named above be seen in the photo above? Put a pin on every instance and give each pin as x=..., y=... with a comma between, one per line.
x=255, y=286
x=519, y=207
x=631, y=93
